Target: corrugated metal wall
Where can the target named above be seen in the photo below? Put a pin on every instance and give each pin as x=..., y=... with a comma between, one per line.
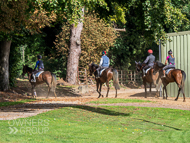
x=180, y=45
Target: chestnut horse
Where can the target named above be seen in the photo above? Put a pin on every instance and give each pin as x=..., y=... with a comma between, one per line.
x=45, y=77
x=150, y=77
x=105, y=77
x=175, y=75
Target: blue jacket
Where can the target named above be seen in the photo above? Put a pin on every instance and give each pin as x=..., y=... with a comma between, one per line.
x=104, y=61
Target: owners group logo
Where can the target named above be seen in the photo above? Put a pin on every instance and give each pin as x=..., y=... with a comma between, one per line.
x=28, y=126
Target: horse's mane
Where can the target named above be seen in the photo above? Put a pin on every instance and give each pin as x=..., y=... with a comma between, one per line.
x=160, y=65
x=95, y=65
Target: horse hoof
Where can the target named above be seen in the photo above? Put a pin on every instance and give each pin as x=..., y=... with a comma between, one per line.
x=184, y=101
x=175, y=99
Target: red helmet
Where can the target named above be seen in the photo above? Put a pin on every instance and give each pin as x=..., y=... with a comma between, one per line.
x=150, y=51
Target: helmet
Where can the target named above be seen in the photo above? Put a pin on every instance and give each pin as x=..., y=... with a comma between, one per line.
x=150, y=51
x=39, y=57
x=170, y=51
x=103, y=52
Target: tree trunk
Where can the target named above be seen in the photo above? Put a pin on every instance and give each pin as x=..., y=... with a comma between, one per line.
x=74, y=52
x=4, y=64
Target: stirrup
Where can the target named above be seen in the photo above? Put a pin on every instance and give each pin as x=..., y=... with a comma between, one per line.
x=33, y=80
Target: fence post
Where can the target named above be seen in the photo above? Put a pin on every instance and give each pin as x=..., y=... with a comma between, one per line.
x=86, y=76
x=121, y=77
x=134, y=76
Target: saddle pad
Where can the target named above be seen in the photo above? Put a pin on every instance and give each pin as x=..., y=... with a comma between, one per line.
x=101, y=71
x=168, y=70
x=38, y=74
x=147, y=70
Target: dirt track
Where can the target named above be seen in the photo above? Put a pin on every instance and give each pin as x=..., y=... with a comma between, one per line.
x=67, y=97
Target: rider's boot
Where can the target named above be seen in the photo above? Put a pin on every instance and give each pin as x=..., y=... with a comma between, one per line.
x=98, y=74
x=164, y=75
x=34, y=79
x=144, y=72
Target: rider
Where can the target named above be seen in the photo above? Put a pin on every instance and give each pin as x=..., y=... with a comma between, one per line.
x=149, y=61
x=104, y=63
x=40, y=66
x=171, y=62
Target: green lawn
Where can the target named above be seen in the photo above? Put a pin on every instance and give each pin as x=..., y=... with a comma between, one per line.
x=106, y=124
x=16, y=102
x=116, y=100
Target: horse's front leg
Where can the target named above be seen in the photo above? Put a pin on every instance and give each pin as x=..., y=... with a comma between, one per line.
x=107, y=84
x=97, y=86
x=34, y=91
x=166, y=92
x=145, y=89
x=100, y=89
x=150, y=86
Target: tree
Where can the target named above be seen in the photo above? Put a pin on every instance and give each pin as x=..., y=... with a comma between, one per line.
x=14, y=16
x=96, y=36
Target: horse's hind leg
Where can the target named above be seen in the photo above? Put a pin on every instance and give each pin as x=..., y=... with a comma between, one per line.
x=107, y=84
x=49, y=88
x=150, y=87
x=183, y=97
x=178, y=94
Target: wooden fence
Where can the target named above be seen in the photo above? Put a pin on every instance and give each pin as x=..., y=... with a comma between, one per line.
x=125, y=77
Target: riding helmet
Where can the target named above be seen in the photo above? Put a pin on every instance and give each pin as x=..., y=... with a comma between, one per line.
x=150, y=51
x=39, y=57
x=103, y=52
x=170, y=51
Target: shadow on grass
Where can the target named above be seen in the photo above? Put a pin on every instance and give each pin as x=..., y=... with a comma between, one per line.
x=33, y=107
x=102, y=111
x=158, y=124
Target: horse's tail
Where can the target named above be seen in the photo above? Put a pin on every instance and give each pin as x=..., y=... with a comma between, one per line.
x=183, y=81
x=53, y=82
x=115, y=79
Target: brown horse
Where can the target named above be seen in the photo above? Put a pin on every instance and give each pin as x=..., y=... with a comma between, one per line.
x=150, y=77
x=105, y=77
x=45, y=77
x=175, y=75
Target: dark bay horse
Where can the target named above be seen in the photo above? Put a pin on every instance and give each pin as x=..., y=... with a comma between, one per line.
x=175, y=75
x=105, y=77
x=150, y=77
x=45, y=77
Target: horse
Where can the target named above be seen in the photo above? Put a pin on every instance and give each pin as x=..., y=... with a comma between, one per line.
x=45, y=77
x=105, y=77
x=150, y=77
x=175, y=75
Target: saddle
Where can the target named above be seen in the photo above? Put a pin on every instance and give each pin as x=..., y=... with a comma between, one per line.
x=148, y=70
x=168, y=70
x=38, y=73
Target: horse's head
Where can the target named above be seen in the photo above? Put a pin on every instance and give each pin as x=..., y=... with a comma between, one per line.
x=158, y=66
x=26, y=69
x=92, y=68
x=138, y=66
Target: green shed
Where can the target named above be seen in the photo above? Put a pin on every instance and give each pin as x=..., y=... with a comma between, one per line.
x=179, y=43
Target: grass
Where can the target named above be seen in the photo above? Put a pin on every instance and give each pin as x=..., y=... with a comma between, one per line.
x=113, y=124
x=116, y=100
x=16, y=102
